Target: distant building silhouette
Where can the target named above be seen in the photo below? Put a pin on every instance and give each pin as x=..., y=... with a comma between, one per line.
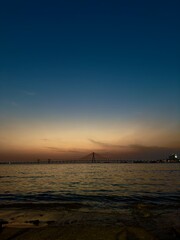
x=173, y=158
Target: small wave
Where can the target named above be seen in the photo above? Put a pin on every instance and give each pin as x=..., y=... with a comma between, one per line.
x=113, y=201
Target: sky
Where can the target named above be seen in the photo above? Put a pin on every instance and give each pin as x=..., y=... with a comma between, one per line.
x=83, y=76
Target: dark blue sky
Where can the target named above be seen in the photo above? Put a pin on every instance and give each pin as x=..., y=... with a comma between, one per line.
x=95, y=60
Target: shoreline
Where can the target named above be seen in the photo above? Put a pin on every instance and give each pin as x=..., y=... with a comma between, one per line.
x=73, y=221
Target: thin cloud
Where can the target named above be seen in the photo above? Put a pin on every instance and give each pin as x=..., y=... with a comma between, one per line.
x=56, y=149
x=9, y=102
x=103, y=144
x=139, y=146
x=131, y=146
x=45, y=139
x=29, y=93
x=152, y=148
x=14, y=104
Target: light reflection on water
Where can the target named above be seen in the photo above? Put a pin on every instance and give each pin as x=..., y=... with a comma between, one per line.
x=105, y=185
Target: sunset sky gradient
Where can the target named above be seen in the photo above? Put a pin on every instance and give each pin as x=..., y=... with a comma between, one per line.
x=83, y=76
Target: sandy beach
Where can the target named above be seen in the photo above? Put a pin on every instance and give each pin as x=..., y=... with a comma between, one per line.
x=76, y=221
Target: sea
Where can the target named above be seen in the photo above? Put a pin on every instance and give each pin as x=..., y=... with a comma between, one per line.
x=98, y=186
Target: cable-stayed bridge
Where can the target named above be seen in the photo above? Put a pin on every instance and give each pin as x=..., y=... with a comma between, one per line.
x=89, y=158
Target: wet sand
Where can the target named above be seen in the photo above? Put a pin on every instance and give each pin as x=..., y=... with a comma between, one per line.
x=77, y=221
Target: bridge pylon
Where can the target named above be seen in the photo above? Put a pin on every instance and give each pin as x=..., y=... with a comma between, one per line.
x=94, y=158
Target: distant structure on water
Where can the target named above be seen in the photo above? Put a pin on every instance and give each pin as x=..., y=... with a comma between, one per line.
x=173, y=158
x=98, y=158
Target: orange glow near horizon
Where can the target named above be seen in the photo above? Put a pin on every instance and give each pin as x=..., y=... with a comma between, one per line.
x=67, y=140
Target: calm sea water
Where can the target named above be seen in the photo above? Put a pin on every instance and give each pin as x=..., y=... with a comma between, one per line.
x=97, y=185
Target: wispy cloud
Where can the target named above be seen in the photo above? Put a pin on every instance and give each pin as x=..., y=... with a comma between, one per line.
x=139, y=146
x=56, y=149
x=103, y=144
x=14, y=104
x=45, y=139
x=28, y=93
x=131, y=151
x=129, y=146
